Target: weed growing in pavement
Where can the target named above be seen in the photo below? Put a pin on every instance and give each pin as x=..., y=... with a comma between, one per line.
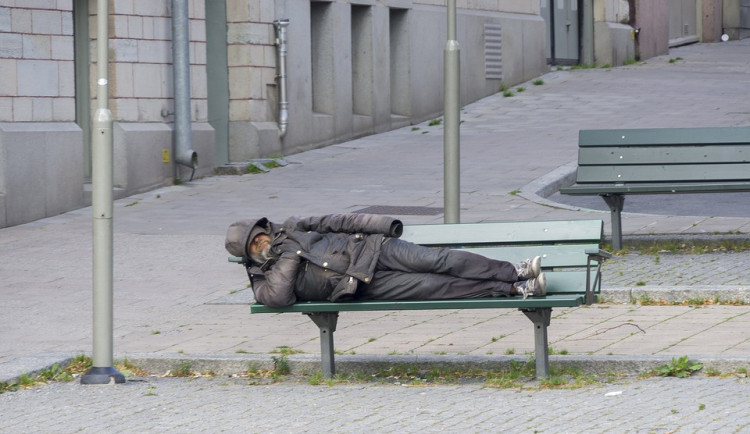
x=183, y=369
x=281, y=365
x=680, y=368
x=129, y=369
x=538, y=82
x=316, y=378
x=285, y=350
x=68, y=372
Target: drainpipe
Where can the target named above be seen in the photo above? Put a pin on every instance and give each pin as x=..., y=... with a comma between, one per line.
x=184, y=153
x=281, y=50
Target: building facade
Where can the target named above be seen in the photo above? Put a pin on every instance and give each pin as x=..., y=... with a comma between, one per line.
x=275, y=77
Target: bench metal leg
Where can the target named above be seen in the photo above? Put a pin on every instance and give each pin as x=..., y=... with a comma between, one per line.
x=326, y=322
x=541, y=319
x=615, y=203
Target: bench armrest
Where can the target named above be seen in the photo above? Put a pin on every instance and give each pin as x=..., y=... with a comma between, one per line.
x=598, y=254
x=595, y=258
x=237, y=260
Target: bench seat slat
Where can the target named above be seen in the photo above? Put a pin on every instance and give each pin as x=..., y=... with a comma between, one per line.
x=475, y=234
x=650, y=188
x=664, y=173
x=566, y=300
x=619, y=155
x=567, y=282
x=553, y=256
x=562, y=287
x=664, y=136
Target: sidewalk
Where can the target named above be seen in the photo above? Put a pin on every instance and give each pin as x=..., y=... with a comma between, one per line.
x=177, y=297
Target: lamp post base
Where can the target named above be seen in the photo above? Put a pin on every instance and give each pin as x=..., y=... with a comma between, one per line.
x=102, y=376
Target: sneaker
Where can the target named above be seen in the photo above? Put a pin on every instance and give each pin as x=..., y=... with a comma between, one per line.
x=534, y=287
x=529, y=268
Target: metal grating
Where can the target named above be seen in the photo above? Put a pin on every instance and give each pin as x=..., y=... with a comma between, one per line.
x=400, y=210
x=493, y=51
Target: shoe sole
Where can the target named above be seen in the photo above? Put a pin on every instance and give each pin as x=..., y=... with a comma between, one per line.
x=541, y=283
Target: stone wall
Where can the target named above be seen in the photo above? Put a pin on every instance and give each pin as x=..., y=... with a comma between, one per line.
x=36, y=62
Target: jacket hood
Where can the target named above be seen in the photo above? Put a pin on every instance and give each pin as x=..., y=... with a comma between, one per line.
x=241, y=232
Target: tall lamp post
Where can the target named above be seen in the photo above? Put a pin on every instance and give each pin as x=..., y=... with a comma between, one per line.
x=102, y=371
x=451, y=139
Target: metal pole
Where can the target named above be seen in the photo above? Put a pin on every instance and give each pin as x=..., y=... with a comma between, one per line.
x=588, y=33
x=102, y=371
x=451, y=139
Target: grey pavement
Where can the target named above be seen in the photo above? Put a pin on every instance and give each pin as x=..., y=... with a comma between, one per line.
x=176, y=298
x=657, y=405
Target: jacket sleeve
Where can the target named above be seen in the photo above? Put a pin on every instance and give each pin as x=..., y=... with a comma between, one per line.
x=351, y=224
x=277, y=289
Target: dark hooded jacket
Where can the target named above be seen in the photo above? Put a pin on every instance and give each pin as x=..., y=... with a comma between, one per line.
x=321, y=258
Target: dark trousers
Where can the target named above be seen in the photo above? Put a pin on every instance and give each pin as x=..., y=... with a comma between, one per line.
x=407, y=271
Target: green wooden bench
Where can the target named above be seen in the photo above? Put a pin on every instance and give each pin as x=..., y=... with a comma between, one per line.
x=614, y=163
x=571, y=260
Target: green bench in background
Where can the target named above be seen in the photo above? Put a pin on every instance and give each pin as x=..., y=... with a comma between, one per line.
x=571, y=260
x=614, y=163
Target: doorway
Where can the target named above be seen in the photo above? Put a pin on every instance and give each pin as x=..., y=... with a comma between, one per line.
x=563, y=31
x=217, y=76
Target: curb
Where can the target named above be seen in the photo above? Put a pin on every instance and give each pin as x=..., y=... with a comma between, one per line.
x=698, y=294
x=540, y=189
x=307, y=364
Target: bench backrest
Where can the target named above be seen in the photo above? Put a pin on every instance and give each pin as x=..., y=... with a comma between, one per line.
x=664, y=155
x=562, y=245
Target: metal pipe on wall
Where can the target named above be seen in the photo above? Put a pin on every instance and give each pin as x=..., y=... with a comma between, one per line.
x=183, y=151
x=281, y=52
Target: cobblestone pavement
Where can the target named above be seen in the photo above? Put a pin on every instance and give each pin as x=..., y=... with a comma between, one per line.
x=716, y=269
x=654, y=405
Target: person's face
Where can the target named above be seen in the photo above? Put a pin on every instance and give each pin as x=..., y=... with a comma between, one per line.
x=259, y=244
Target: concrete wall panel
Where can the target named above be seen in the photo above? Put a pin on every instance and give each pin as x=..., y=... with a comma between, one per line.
x=614, y=43
x=138, y=147
x=652, y=17
x=42, y=170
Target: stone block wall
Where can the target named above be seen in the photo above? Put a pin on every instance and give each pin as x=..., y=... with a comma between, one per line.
x=36, y=61
x=362, y=67
x=141, y=61
x=142, y=93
